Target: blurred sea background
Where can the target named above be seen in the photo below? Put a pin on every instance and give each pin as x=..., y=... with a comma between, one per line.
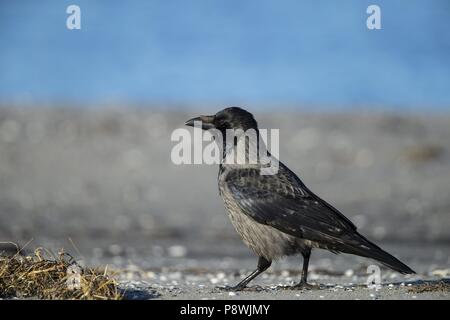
x=86, y=117
x=260, y=53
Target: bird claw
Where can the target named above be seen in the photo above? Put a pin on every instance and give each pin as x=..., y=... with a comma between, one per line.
x=306, y=286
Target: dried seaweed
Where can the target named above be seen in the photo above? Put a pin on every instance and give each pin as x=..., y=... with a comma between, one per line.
x=60, y=277
x=441, y=285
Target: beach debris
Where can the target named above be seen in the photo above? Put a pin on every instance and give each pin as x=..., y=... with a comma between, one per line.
x=60, y=277
x=431, y=286
x=441, y=273
x=423, y=153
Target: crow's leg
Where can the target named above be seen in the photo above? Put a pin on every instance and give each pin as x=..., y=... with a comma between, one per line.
x=303, y=282
x=306, y=256
x=263, y=265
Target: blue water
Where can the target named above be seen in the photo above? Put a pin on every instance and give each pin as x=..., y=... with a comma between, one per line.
x=262, y=52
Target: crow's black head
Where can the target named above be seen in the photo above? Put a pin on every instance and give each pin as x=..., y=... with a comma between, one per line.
x=229, y=118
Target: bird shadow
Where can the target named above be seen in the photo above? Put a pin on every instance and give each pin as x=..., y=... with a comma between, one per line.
x=138, y=293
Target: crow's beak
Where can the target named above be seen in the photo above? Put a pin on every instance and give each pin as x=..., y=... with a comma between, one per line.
x=205, y=122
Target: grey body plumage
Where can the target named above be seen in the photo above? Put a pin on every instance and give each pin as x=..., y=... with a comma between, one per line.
x=266, y=241
x=277, y=215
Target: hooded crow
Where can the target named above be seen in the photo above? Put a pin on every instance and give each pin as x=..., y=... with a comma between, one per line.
x=277, y=215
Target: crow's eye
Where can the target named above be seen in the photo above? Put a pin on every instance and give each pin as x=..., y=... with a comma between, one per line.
x=220, y=122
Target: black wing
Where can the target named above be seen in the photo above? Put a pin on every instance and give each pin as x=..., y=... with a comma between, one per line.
x=285, y=203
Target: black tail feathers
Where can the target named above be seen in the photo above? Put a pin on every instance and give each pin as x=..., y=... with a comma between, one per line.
x=365, y=248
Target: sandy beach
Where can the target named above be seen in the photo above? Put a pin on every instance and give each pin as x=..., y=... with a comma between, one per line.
x=101, y=185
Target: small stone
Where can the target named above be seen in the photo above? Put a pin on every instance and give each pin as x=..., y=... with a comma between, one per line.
x=177, y=251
